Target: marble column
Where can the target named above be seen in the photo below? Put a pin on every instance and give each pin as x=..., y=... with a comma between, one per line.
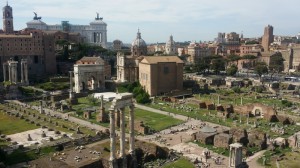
x=26, y=72
x=41, y=107
x=9, y=72
x=13, y=78
x=101, y=102
x=122, y=137
x=218, y=99
x=241, y=100
x=235, y=155
x=101, y=117
x=22, y=71
x=4, y=72
x=131, y=137
x=71, y=96
x=117, y=120
x=15, y=72
x=112, y=158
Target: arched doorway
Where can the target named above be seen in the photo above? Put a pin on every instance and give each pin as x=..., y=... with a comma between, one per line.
x=91, y=83
x=83, y=86
x=257, y=112
x=100, y=84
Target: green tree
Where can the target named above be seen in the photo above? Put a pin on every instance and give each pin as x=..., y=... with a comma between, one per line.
x=200, y=67
x=63, y=53
x=133, y=85
x=261, y=68
x=251, y=42
x=232, y=70
x=92, y=99
x=140, y=94
x=143, y=98
x=233, y=58
x=218, y=65
x=276, y=64
x=249, y=62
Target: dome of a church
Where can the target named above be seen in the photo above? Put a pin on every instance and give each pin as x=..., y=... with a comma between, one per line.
x=171, y=42
x=138, y=42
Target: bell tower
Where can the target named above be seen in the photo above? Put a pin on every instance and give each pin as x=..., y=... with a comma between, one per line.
x=8, y=26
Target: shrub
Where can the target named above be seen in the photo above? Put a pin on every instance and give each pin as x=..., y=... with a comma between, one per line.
x=236, y=89
x=132, y=86
x=143, y=98
x=286, y=103
x=259, y=89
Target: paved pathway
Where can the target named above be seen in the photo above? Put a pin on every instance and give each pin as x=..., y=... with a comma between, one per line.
x=177, y=116
x=252, y=160
x=62, y=115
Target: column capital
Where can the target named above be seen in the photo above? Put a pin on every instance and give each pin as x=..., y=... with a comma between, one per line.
x=131, y=106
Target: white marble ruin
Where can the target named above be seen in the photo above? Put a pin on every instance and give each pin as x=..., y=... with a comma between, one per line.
x=118, y=106
x=235, y=155
x=36, y=136
x=10, y=71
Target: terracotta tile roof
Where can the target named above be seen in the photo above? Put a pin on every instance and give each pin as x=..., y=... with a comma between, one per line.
x=90, y=60
x=157, y=59
x=14, y=36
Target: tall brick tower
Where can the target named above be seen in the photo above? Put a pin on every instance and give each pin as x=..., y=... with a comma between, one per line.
x=8, y=26
x=268, y=37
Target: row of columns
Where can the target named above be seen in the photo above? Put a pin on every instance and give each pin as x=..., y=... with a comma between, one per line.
x=218, y=100
x=12, y=67
x=112, y=159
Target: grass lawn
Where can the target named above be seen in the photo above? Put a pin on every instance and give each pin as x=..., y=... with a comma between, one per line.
x=51, y=86
x=21, y=125
x=11, y=125
x=289, y=159
x=155, y=121
x=197, y=113
x=19, y=156
x=221, y=151
x=180, y=163
x=85, y=102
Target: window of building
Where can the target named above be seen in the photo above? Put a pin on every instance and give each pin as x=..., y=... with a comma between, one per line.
x=166, y=70
x=36, y=59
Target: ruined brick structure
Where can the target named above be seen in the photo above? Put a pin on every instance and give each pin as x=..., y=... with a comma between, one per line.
x=223, y=140
x=141, y=128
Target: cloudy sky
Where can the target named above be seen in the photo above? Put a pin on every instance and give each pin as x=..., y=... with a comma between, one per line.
x=186, y=20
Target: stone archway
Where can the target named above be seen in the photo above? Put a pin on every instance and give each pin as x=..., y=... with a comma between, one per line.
x=257, y=112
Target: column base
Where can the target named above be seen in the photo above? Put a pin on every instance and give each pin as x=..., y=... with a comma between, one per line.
x=133, y=159
x=113, y=163
x=124, y=162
